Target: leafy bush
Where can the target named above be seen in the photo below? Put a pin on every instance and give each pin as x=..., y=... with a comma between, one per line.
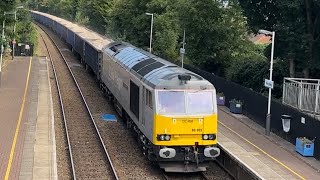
x=251, y=74
x=25, y=31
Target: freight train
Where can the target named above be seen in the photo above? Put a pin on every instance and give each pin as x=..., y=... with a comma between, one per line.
x=173, y=111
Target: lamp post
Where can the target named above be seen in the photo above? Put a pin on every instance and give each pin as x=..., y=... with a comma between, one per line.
x=14, y=30
x=183, y=50
x=2, y=48
x=150, y=14
x=268, y=118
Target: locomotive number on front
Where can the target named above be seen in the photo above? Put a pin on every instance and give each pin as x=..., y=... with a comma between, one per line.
x=197, y=130
x=187, y=121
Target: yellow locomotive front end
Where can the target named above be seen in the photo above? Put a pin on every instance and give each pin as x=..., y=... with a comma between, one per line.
x=185, y=129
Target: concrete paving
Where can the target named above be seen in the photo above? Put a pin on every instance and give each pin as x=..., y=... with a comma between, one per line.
x=39, y=153
x=269, y=157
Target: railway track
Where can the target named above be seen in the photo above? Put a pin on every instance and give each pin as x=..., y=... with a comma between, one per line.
x=89, y=158
x=181, y=176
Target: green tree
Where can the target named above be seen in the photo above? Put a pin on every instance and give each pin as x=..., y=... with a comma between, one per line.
x=251, y=74
x=216, y=31
x=297, y=26
x=24, y=29
x=127, y=20
x=6, y=6
x=88, y=10
x=216, y=34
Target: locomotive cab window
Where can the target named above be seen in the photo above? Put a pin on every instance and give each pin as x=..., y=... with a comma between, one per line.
x=185, y=102
x=200, y=102
x=149, y=98
x=171, y=102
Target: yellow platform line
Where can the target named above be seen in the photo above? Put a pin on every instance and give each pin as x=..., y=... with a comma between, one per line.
x=273, y=158
x=18, y=125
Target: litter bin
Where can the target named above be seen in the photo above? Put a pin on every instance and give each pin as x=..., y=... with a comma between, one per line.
x=286, y=122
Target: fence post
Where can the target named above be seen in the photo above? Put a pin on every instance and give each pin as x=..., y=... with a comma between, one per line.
x=300, y=95
x=317, y=97
x=283, y=91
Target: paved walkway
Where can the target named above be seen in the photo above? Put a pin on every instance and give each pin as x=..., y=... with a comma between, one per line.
x=13, y=112
x=269, y=157
x=27, y=146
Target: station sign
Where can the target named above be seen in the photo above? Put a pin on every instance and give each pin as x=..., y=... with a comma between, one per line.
x=268, y=83
x=182, y=50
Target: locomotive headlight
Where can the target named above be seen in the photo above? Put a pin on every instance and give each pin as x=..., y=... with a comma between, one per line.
x=209, y=136
x=205, y=137
x=168, y=137
x=164, y=137
x=212, y=136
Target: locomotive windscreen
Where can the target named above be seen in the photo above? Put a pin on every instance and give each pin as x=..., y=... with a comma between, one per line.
x=185, y=102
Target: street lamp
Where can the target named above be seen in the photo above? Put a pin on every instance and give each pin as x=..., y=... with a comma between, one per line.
x=14, y=30
x=150, y=14
x=268, y=118
x=183, y=50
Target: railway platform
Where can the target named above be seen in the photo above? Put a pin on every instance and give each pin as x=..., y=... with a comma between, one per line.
x=27, y=145
x=268, y=157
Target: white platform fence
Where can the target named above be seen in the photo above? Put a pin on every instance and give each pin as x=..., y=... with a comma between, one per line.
x=302, y=94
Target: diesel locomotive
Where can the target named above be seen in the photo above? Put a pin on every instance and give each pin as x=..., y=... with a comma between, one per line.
x=173, y=111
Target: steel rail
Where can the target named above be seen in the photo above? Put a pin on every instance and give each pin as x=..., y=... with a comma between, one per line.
x=92, y=119
x=62, y=107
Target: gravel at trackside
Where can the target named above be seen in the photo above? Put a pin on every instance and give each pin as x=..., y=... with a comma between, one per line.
x=87, y=153
x=215, y=172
